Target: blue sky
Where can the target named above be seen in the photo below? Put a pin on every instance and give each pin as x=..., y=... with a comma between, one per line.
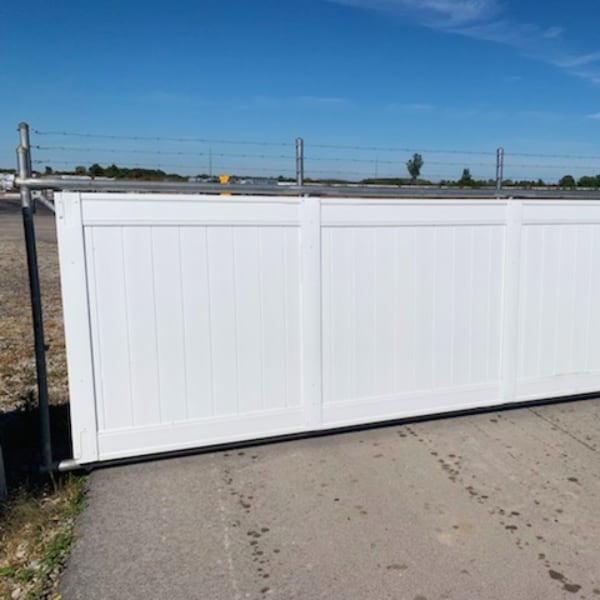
x=427, y=75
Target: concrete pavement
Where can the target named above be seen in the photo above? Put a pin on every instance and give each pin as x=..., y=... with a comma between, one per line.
x=502, y=505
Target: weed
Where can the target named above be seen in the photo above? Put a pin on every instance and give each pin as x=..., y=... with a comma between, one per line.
x=36, y=535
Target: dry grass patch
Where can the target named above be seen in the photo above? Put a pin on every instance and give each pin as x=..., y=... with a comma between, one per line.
x=36, y=534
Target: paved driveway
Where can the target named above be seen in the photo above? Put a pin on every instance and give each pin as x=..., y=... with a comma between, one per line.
x=495, y=506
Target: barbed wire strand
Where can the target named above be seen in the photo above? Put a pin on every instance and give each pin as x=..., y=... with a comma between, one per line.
x=158, y=138
x=159, y=152
x=353, y=147
x=160, y=166
x=235, y=155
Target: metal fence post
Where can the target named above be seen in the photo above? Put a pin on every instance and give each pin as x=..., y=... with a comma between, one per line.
x=499, y=170
x=24, y=168
x=3, y=485
x=299, y=161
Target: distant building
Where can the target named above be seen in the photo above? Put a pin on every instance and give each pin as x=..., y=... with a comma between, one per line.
x=7, y=181
x=74, y=177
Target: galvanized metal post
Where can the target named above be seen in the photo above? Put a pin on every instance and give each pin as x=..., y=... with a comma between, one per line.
x=3, y=485
x=299, y=161
x=499, y=170
x=24, y=167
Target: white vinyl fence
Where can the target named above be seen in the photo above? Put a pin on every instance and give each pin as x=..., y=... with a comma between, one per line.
x=194, y=320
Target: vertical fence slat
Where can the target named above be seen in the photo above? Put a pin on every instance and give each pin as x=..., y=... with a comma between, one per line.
x=310, y=223
x=510, y=313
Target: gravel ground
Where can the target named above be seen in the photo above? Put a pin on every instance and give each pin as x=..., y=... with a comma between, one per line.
x=17, y=363
x=36, y=521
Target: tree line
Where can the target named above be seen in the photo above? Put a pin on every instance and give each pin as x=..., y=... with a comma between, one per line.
x=115, y=172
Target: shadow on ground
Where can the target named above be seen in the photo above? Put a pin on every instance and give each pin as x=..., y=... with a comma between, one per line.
x=20, y=441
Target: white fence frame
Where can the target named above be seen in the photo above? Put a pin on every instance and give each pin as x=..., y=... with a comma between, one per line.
x=524, y=242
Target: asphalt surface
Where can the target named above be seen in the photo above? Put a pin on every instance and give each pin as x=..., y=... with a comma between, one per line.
x=502, y=505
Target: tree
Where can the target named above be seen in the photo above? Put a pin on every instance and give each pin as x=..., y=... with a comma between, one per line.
x=112, y=171
x=588, y=181
x=96, y=170
x=466, y=178
x=80, y=170
x=48, y=170
x=414, y=166
x=567, y=181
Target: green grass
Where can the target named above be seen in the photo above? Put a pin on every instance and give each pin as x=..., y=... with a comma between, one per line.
x=36, y=536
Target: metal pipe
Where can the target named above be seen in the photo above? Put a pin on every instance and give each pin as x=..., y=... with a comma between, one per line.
x=499, y=170
x=24, y=168
x=24, y=143
x=46, y=203
x=299, y=162
x=344, y=191
x=126, y=185
x=69, y=464
x=348, y=190
x=3, y=486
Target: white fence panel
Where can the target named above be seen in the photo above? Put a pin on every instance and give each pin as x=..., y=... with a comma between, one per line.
x=193, y=320
x=412, y=307
x=559, y=325
x=194, y=316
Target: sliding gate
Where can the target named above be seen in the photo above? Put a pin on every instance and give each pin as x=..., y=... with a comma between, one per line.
x=194, y=320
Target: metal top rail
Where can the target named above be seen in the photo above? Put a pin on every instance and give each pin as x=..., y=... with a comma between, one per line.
x=331, y=190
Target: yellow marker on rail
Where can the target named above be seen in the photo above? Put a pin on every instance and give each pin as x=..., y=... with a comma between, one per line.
x=224, y=180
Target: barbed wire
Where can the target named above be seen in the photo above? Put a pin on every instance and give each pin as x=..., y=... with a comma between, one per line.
x=243, y=155
x=175, y=168
x=569, y=156
x=542, y=166
x=50, y=161
x=376, y=161
x=348, y=173
x=158, y=138
x=350, y=161
x=400, y=149
x=352, y=147
x=159, y=152
x=217, y=167
x=308, y=160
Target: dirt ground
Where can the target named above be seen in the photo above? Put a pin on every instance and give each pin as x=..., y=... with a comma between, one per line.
x=36, y=520
x=19, y=435
x=17, y=364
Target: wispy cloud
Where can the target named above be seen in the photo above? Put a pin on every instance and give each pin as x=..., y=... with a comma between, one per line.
x=489, y=20
x=594, y=116
x=579, y=61
x=446, y=13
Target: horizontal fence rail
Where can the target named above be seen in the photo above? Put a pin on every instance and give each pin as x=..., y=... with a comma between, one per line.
x=328, y=190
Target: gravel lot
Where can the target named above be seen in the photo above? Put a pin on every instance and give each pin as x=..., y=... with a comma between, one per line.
x=17, y=364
